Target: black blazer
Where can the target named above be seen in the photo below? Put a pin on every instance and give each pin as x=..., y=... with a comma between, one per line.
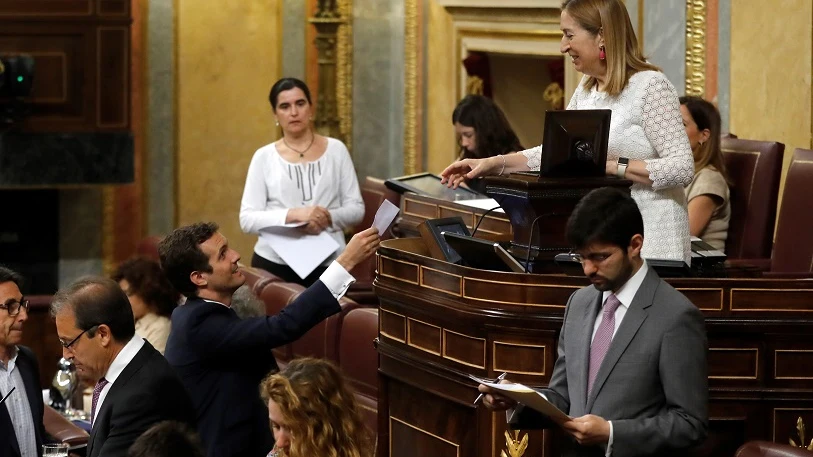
x=222, y=359
x=146, y=392
x=30, y=372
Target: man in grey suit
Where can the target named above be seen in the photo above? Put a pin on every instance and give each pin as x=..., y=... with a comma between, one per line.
x=631, y=367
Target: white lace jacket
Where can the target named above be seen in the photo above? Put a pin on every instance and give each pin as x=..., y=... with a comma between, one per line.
x=646, y=125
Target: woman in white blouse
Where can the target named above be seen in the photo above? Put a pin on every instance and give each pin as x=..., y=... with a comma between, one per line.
x=304, y=181
x=647, y=145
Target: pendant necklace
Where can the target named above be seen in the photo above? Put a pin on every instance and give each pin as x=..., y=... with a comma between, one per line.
x=302, y=152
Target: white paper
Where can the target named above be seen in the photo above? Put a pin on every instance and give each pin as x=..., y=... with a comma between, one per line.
x=384, y=216
x=528, y=397
x=482, y=203
x=300, y=251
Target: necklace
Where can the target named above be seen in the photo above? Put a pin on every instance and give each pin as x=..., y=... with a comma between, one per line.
x=302, y=152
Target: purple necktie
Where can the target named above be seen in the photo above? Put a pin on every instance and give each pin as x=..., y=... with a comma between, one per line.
x=97, y=390
x=603, y=338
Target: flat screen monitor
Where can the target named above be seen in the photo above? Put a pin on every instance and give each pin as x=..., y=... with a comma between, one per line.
x=575, y=143
x=429, y=185
x=482, y=254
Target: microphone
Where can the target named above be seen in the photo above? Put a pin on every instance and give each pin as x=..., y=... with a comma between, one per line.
x=531, y=238
x=482, y=218
x=9, y=393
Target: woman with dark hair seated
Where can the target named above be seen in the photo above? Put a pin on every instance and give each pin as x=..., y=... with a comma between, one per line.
x=708, y=194
x=313, y=412
x=151, y=296
x=482, y=131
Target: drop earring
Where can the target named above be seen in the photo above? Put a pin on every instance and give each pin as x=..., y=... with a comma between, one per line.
x=276, y=123
x=601, y=54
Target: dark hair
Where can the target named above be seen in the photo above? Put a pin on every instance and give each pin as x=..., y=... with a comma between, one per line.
x=9, y=275
x=167, y=439
x=180, y=255
x=706, y=116
x=492, y=132
x=147, y=280
x=94, y=301
x=287, y=84
x=606, y=215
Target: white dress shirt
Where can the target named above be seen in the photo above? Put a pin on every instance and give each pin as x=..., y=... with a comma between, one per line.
x=18, y=408
x=624, y=295
x=124, y=357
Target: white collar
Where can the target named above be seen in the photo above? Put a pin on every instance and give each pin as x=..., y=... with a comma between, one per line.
x=627, y=292
x=123, y=358
x=11, y=361
x=213, y=301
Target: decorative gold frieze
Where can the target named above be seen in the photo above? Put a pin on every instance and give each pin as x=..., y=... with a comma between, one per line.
x=800, y=431
x=412, y=41
x=695, y=47
x=516, y=447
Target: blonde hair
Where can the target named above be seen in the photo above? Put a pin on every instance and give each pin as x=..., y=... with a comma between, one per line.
x=319, y=409
x=623, y=53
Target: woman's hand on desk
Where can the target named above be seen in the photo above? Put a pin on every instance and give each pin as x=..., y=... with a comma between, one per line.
x=362, y=245
x=456, y=173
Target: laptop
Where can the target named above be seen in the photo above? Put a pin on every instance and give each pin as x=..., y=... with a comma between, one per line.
x=482, y=254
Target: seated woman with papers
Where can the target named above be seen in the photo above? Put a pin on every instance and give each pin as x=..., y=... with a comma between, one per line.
x=301, y=192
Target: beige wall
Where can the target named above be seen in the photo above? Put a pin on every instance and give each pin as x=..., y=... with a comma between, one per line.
x=441, y=95
x=771, y=57
x=518, y=89
x=228, y=58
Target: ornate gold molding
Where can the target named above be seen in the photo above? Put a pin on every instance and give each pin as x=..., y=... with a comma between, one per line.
x=108, y=230
x=412, y=76
x=516, y=446
x=695, y=47
x=800, y=432
x=344, y=73
x=334, y=45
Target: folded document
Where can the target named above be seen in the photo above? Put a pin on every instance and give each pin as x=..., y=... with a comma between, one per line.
x=528, y=397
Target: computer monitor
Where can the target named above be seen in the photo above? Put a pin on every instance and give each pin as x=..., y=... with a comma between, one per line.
x=575, y=143
x=429, y=184
x=482, y=254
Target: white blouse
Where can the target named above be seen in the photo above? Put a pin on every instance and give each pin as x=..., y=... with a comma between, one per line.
x=273, y=185
x=646, y=125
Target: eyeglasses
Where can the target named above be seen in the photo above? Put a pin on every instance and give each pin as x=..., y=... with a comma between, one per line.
x=68, y=345
x=596, y=258
x=13, y=306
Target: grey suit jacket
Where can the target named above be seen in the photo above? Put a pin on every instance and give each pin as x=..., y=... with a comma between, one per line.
x=653, y=382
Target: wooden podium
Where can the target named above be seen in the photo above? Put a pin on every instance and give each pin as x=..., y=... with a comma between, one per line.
x=439, y=321
x=538, y=210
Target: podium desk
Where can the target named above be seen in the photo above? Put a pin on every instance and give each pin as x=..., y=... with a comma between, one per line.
x=439, y=321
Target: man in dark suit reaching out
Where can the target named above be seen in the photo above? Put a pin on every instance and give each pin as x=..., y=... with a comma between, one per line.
x=134, y=385
x=220, y=357
x=631, y=367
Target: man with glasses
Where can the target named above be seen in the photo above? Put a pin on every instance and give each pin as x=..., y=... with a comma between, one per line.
x=134, y=386
x=631, y=366
x=21, y=428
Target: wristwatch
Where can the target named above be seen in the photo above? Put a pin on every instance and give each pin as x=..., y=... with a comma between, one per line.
x=623, y=162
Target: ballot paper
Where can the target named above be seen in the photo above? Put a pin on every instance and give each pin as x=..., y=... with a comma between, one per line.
x=528, y=397
x=384, y=216
x=300, y=251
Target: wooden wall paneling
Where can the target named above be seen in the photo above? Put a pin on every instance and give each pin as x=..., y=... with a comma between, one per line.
x=45, y=8
x=113, y=69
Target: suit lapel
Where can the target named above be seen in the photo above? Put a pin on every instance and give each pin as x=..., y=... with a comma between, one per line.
x=5, y=422
x=582, y=363
x=633, y=319
x=119, y=386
